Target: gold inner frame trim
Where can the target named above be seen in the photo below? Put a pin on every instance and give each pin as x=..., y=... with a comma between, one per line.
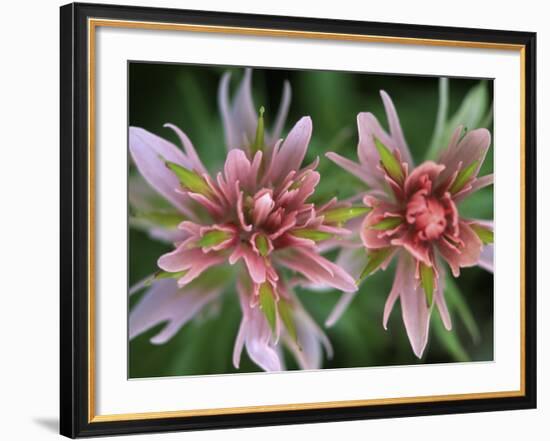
x=260, y=32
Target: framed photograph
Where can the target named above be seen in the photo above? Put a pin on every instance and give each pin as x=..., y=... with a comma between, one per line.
x=273, y=220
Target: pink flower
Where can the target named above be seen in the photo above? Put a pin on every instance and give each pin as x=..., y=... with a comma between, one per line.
x=255, y=215
x=414, y=216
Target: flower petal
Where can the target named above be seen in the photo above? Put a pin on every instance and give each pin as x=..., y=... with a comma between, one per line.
x=146, y=150
x=289, y=155
x=464, y=255
x=165, y=302
x=254, y=262
x=398, y=281
x=369, y=128
x=239, y=118
x=476, y=185
x=473, y=147
x=352, y=260
x=415, y=311
x=282, y=113
x=239, y=342
x=311, y=339
x=374, y=238
x=256, y=335
x=439, y=299
x=318, y=269
x=395, y=128
x=194, y=261
x=225, y=109
x=416, y=180
x=196, y=163
x=486, y=258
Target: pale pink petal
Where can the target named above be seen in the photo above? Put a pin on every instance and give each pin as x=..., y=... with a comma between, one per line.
x=239, y=342
x=258, y=344
x=225, y=108
x=239, y=118
x=439, y=299
x=280, y=119
x=147, y=150
x=421, y=175
x=397, y=287
x=472, y=147
x=262, y=207
x=165, y=302
x=476, y=185
x=462, y=256
x=214, y=208
x=295, y=199
x=420, y=250
x=194, y=261
x=353, y=261
x=166, y=234
x=255, y=334
x=369, y=128
x=311, y=339
x=244, y=114
x=352, y=167
x=373, y=238
x=290, y=154
x=196, y=163
x=237, y=168
x=486, y=258
x=395, y=128
x=254, y=263
x=414, y=308
x=318, y=269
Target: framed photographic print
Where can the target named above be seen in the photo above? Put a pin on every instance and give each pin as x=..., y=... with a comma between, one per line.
x=273, y=220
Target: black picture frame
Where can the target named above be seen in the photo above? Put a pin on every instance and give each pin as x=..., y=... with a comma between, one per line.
x=75, y=416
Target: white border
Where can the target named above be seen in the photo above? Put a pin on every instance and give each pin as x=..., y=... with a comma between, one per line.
x=115, y=394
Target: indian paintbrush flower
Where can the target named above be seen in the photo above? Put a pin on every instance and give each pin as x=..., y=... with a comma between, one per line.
x=414, y=217
x=256, y=211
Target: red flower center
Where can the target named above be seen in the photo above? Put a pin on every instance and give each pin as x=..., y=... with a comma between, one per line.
x=428, y=215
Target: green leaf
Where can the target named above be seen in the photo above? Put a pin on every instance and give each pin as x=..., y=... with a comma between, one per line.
x=262, y=244
x=342, y=215
x=456, y=302
x=388, y=223
x=463, y=177
x=484, y=233
x=267, y=304
x=259, y=142
x=286, y=316
x=213, y=238
x=427, y=278
x=165, y=275
x=389, y=162
x=190, y=180
x=374, y=260
x=314, y=235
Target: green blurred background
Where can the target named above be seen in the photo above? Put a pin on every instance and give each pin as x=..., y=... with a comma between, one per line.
x=186, y=95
